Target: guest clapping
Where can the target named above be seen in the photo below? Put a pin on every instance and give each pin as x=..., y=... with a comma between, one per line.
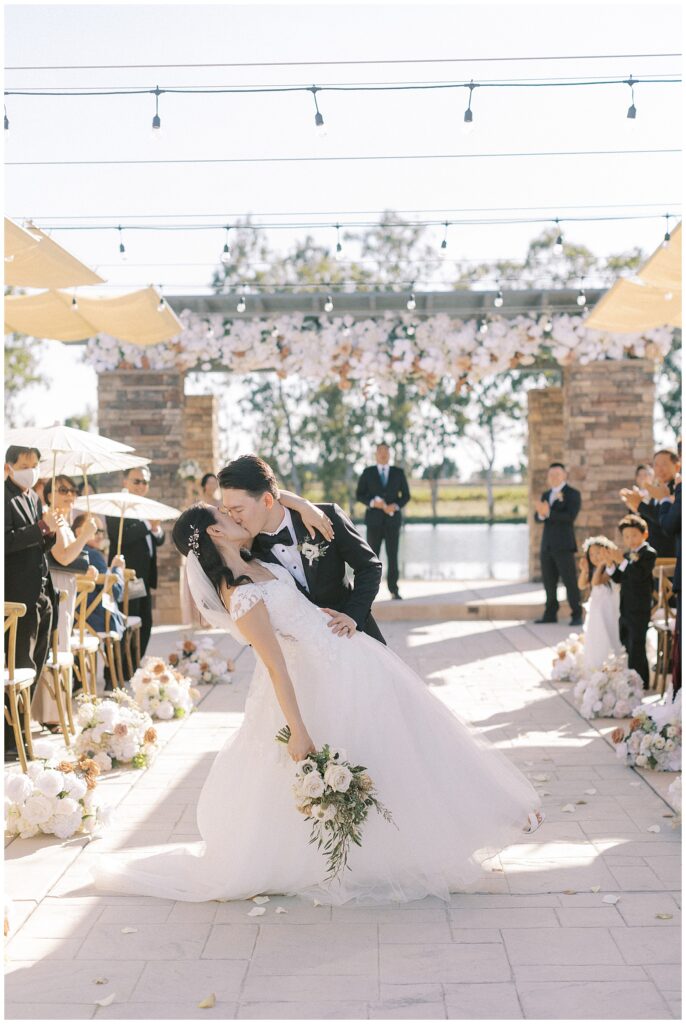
x=666, y=464
x=140, y=541
x=634, y=573
x=558, y=508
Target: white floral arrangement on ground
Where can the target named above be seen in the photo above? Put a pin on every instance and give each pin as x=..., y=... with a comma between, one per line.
x=653, y=737
x=336, y=797
x=568, y=664
x=162, y=691
x=612, y=691
x=200, y=660
x=386, y=349
x=189, y=469
x=115, y=731
x=56, y=798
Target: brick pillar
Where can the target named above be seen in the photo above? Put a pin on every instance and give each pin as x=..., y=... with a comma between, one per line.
x=145, y=408
x=608, y=428
x=546, y=445
x=200, y=437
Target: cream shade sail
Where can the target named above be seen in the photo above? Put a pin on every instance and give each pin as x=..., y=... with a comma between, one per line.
x=651, y=299
x=43, y=264
x=135, y=317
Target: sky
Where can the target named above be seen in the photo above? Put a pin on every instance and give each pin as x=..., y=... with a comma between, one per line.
x=381, y=124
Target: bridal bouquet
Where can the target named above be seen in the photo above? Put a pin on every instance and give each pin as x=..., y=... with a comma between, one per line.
x=612, y=691
x=568, y=664
x=200, y=660
x=162, y=691
x=653, y=739
x=115, y=731
x=335, y=796
x=55, y=798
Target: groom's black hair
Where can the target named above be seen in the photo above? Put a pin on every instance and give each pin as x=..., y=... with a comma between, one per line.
x=249, y=473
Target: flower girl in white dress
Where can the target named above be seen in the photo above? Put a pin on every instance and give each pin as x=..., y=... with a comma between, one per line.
x=455, y=799
x=601, y=627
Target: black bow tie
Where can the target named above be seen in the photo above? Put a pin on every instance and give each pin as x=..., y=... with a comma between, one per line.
x=268, y=540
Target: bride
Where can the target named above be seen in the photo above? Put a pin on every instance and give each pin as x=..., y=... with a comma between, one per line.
x=456, y=801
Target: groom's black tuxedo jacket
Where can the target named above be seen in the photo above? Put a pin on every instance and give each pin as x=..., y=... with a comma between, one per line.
x=558, y=528
x=394, y=492
x=326, y=579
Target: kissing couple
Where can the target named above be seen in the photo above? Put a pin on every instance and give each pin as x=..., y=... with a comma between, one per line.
x=322, y=668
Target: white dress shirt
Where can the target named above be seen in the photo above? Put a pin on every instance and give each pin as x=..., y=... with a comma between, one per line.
x=288, y=555
x=625, y=561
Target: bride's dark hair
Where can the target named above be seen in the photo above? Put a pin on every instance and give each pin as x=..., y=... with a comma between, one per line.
x=199, y=517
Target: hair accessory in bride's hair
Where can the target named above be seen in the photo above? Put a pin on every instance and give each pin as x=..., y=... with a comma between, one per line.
x=194, y=541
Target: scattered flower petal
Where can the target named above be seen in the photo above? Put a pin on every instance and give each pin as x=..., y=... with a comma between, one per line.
x=128, y=931
x=107, y=1001
x=256, y=912
x=595, y=888
x=541, y=778
x=569, y=892
x=634, y=783
x=611, y=899
x=100, y=981
x=543, y=792
x=260, y=900
x=664, y=917
x=580, y=802
x=568, y=808
x=208, y=1002
x=316, y=903
x=280, y=910
x=653, y=828
x=591, y=792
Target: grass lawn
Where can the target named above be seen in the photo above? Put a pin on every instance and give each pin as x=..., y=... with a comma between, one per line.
x=456, y=502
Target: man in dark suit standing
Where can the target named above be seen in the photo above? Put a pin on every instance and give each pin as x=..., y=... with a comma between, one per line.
x=30, y=532
x=666, y=464
x=384, y=490
x=140, y=541
x=558, y=508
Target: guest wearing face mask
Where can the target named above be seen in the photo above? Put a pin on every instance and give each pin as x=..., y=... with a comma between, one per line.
x=30, y=532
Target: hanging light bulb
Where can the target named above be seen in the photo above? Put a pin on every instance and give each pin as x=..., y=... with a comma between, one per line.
x=558, y=248
x=339, y=246
x=668, y=238
x=226, y=252
x=240, y=307
x=410, y=329
x=209, y=333
x=631, y=112
x=7, y=121
x=483, y=327
x=412, y=302
x=581, y=297
x=275, y=331
x=161, y=303
x=468, y=120
x=156, y=121
x=318, y=118
x=547, y=325
x=498, y=300
x=444, y=243
x=122, y=247
x=328, y=305
x=74, y=305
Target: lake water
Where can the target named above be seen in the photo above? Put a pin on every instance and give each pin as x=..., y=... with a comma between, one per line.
x=463, y=551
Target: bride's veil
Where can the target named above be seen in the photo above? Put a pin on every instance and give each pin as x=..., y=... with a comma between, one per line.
x=204, y=596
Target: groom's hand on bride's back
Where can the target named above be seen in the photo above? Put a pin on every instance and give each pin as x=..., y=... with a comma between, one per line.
x=340, y=623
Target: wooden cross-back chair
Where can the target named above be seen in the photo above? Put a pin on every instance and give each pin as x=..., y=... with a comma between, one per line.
x=663, y=618
x=58, y=680
x=17, y=685
x=84, y=646
x=111, y=642
x=132, y=636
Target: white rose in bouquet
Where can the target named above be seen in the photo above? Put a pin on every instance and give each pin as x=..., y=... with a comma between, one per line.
x=18, y=787
x=338, y=777
x=49, y=782
x=103, y=761
x=312, y=785
x=165, y=710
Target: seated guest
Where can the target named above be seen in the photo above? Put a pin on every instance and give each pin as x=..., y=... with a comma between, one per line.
x=634, y=572
x=209, y=487
x=670, y=521
x=110, y=601
x=666, y=466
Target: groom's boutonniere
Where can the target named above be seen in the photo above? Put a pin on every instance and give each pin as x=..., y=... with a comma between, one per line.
x=312, y=552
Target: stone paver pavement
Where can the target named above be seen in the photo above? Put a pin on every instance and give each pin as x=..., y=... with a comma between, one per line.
x=534, y=938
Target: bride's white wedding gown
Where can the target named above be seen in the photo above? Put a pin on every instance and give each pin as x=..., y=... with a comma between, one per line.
x=601, y=627
x=455, y=799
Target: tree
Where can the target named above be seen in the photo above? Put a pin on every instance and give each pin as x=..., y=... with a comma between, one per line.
x=669, y=387
x=22, y=370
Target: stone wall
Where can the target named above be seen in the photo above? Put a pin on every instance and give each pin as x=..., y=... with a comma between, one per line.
x=608, y=424
x=147, y=409
x=546, y=444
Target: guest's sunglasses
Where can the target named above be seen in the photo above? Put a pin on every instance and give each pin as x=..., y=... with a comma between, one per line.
x=67, y=490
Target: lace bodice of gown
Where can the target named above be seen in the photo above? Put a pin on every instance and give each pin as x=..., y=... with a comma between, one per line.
x=293, y=617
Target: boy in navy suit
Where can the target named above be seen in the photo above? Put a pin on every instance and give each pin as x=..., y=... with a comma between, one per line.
x=634, y=573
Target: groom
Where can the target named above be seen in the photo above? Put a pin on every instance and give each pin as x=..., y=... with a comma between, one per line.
x=250, y=495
